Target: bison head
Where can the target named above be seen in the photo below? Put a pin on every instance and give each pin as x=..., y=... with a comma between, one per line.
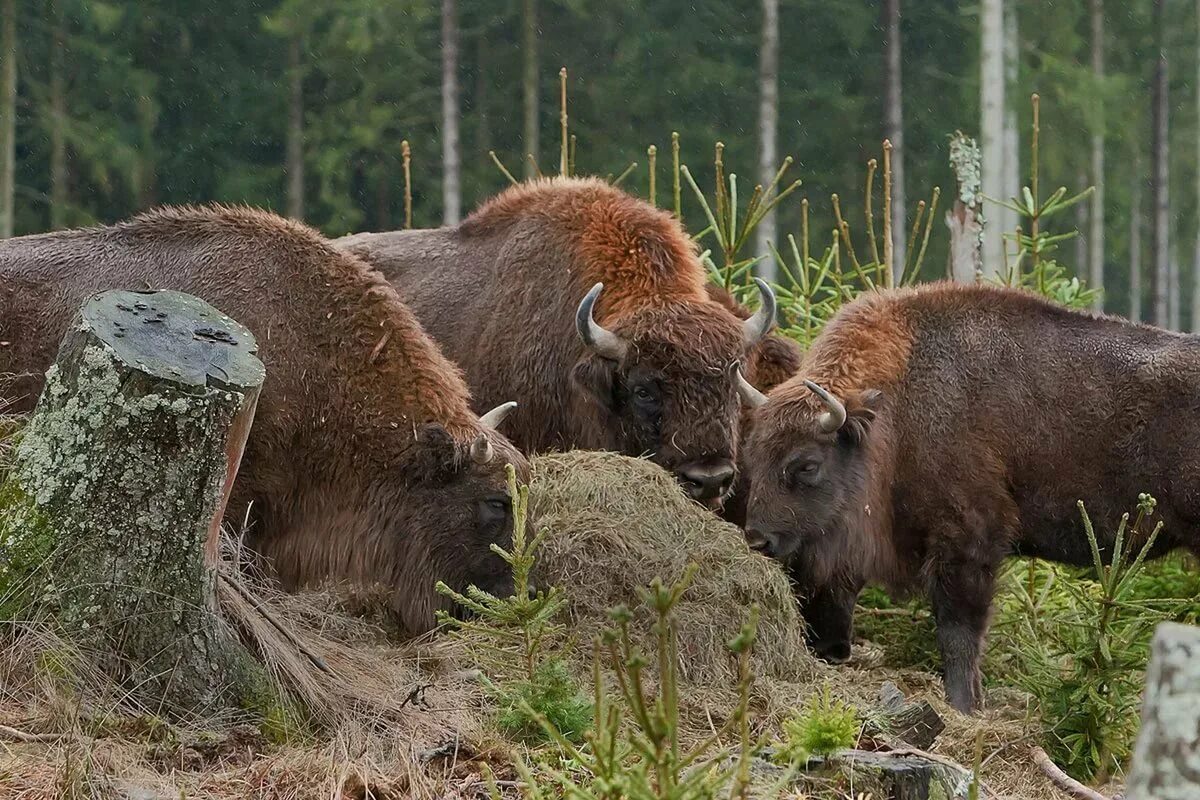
x=460, y=506
x=807, y=464
x=665, y=378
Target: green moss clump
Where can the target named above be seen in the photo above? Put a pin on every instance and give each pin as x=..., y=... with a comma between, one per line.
x=825, y=727
x=552, y=695
x=26, y=544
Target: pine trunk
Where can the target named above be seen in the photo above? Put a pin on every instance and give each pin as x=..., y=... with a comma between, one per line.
x=58, y=117
x=530, y=84
x=1166, y=762
x=145, y=168
x=295, y=130
x=483, y=91
x=1196, y=253
x=1082, y=238
x=768, y=125
x=1012, y=140
x=1135, y=242
x=8, y=118
x=451, y=160
x=894, y=132
x=1096, y=235
x=114, y=504
x=1174, y=290
x=1160, y=244
x=991, y=128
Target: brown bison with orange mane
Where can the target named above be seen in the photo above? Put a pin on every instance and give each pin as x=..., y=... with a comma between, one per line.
x=365, y=462
x=646, y=364
x=932, y=432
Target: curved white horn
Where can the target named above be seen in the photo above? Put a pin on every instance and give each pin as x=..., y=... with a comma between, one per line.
x=759, y=325
x=835, y=417
x=606, y=343
x=481, y=449
x=750, y=396
x=493, y=418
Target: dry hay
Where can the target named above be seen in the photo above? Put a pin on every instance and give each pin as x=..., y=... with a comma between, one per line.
x=614, y=524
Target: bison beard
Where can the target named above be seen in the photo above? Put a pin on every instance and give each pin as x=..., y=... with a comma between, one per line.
x=934, y=431
x=365, y=462
x=595, y=305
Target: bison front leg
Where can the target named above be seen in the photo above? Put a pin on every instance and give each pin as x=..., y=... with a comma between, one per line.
x=829, y=621
x=961, y=597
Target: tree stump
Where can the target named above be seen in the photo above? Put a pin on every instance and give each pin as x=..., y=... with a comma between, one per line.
x=110, y=518
x=1166, y=759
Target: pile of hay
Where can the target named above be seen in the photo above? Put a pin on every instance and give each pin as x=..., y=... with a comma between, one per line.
x=616, y=523
x=400, y=720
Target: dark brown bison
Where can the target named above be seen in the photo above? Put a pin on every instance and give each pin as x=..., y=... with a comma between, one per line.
x=365, y=462
x=932, y=432
x=593, y=305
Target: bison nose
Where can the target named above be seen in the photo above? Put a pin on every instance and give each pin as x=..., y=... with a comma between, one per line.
x=708, y=480
x=761, y=542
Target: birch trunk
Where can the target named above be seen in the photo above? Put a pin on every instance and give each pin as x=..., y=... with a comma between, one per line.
x=451, y=160
x=768, y=125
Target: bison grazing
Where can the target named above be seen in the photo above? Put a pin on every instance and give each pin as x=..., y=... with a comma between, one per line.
x=365, y=462
x=645, y=364
x=932, y=432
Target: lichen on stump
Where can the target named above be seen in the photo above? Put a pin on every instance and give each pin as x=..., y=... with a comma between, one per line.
x=110, y=517
x=1166, y=760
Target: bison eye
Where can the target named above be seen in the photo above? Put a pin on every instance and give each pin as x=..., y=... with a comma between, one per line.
x=803, y=470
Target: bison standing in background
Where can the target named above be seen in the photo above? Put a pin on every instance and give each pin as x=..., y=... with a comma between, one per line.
x=647, y=366
x=365, y=462
x=932, y=432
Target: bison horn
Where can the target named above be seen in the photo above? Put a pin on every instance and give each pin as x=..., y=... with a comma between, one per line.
x=759, y=325
x=750, y=396
x=606, y=343
x=481, y=449
x=493, y=418
x=835, y=417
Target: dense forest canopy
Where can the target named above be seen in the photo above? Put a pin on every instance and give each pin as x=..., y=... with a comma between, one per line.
x=121, y=105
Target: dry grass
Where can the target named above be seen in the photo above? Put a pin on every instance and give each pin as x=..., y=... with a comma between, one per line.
x=386, y=722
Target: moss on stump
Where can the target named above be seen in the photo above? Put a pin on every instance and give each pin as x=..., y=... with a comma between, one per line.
x=110, y=516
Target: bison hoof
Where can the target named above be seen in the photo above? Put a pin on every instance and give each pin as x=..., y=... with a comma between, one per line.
x=833, y=653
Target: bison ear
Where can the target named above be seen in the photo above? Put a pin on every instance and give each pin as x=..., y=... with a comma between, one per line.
x=435, y=455
x=597, y=376
x=860, y=413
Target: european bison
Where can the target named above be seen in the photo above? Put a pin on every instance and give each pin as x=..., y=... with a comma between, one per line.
x=931, y=432
x=645, y=364
x=769, y=363
x=365, y=462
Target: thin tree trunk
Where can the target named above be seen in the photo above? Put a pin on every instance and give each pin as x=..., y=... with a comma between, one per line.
x=530, y=84
x=1196, y=257
x=1012, y=140
x=483, y=89
x=1160, y=246
x=768, y=123
x=1175, y=289
x=145, y=181
x=451, y=157
x=58, y=117
x=1096, y=236
x=894, y=129
x=1135, y=241
x=8, y=120
x=991, y=128
x=295, y=131
x=1082, y=241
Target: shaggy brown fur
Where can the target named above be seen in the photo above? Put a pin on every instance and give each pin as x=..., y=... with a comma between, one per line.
x=768, y=364
x=358, y=465
x=977, y=417
x=499, y=294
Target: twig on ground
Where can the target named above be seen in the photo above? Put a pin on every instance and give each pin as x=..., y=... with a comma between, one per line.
x=271, y=618
x=21, y=736
x=1061, y=779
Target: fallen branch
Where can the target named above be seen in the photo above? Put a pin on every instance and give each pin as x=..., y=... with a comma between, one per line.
x=1061, y=779
x=258, y=606
x=29, y=738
